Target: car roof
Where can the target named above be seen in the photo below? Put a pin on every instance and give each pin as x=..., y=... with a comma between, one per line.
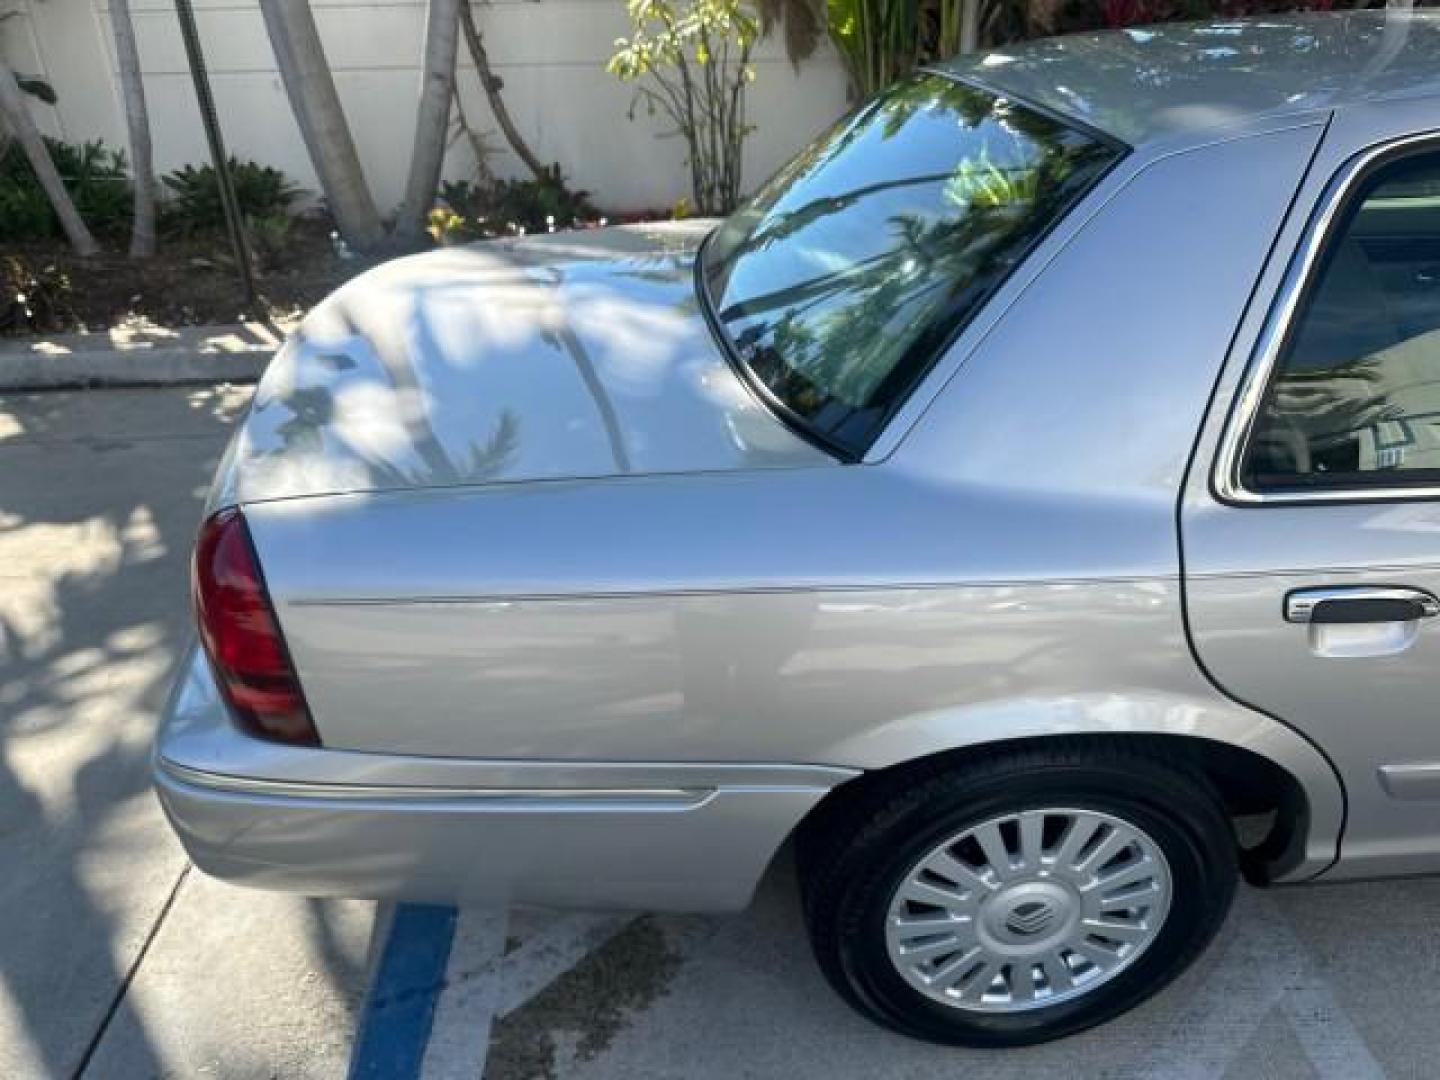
x=1147, y=83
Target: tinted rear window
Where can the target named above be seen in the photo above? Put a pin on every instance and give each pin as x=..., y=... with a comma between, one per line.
x=840, y=282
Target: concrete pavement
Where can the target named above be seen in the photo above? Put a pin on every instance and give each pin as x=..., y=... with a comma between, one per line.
x=99, y=499
x=1293, y=990
x=115, y=961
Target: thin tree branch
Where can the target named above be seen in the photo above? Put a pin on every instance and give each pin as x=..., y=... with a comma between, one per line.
x=491, y=84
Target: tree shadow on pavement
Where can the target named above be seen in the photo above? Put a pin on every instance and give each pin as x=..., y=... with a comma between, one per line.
x=100, y=494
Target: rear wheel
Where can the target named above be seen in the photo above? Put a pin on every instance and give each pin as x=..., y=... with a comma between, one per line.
x=1017, y=898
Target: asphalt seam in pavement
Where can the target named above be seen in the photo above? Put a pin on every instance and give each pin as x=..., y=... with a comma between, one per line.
x=124, y=988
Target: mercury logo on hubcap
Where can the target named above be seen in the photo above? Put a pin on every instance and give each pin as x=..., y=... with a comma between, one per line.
x=1030, y=918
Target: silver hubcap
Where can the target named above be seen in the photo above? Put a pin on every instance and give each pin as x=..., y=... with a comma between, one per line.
x=1028, y=910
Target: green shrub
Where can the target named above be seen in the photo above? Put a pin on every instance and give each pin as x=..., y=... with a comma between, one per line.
x=539, y=205
x=96, y=177
x=193, y=203
x=509, y=207
x=25, y=213
x=690, y=61
x=269, y=236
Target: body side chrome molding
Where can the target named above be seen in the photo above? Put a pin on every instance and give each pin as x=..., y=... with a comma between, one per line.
x=1227, y=483
x=1411, y=780
x=804, y=589
x=555, y=798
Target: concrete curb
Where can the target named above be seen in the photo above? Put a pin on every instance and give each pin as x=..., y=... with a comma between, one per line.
x=139, y=356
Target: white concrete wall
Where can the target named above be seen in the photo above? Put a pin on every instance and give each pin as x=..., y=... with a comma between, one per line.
x=20, y=48
x=550, y=53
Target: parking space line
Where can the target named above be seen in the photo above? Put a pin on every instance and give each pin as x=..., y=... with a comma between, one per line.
x=484, y=984
x=460, y=1035
x=1263, y=967
x=399, y=1011
x=551, y=953
x=1334, y=1048
x=444, y=978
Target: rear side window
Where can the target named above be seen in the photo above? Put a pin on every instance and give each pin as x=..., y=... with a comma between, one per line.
x=837, y=285
x=1355, y=398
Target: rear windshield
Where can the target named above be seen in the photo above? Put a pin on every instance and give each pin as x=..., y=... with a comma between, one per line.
x=839, y=283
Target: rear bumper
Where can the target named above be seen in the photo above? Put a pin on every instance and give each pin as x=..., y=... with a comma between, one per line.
x=679, y=836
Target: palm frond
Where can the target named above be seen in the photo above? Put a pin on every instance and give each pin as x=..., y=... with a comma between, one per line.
x=802, y=22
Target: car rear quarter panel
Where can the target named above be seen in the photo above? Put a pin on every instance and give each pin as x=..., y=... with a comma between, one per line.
x=1011, y=569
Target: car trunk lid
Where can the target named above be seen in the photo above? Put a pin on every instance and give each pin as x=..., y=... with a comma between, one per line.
x=566, y=356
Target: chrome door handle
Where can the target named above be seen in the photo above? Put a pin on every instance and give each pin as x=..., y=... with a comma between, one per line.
x=1360, y=604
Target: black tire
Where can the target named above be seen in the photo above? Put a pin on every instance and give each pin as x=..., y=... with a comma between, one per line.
x=854, y=855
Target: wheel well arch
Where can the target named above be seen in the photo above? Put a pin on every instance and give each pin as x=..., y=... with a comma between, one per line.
x=1269, y=801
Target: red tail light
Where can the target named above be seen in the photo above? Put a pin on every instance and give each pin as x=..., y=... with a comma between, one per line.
x=241, y=637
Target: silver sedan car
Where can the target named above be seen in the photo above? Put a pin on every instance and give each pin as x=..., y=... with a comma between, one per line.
x=1027, y=505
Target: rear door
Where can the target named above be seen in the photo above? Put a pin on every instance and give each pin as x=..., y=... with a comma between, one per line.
x=1311, y=522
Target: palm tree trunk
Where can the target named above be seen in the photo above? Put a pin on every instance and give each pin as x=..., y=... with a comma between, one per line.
x=137, y=120
x=491, y=84
x=432, y=119
x=311, y=89
x=970, y=12
x=22, y=126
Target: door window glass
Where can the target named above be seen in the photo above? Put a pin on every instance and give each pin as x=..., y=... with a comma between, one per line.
x=1355, y=399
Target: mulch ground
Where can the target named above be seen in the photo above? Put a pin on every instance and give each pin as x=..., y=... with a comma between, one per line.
x=45, y=288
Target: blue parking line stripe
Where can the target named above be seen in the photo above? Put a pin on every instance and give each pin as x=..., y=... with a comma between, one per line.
x=400, y=1009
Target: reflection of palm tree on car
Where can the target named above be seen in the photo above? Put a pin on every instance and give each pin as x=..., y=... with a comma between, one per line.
x=878, y=304
x=1313, y=413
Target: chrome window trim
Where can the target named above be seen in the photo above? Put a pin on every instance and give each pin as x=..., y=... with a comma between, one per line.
x=1227, y=478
